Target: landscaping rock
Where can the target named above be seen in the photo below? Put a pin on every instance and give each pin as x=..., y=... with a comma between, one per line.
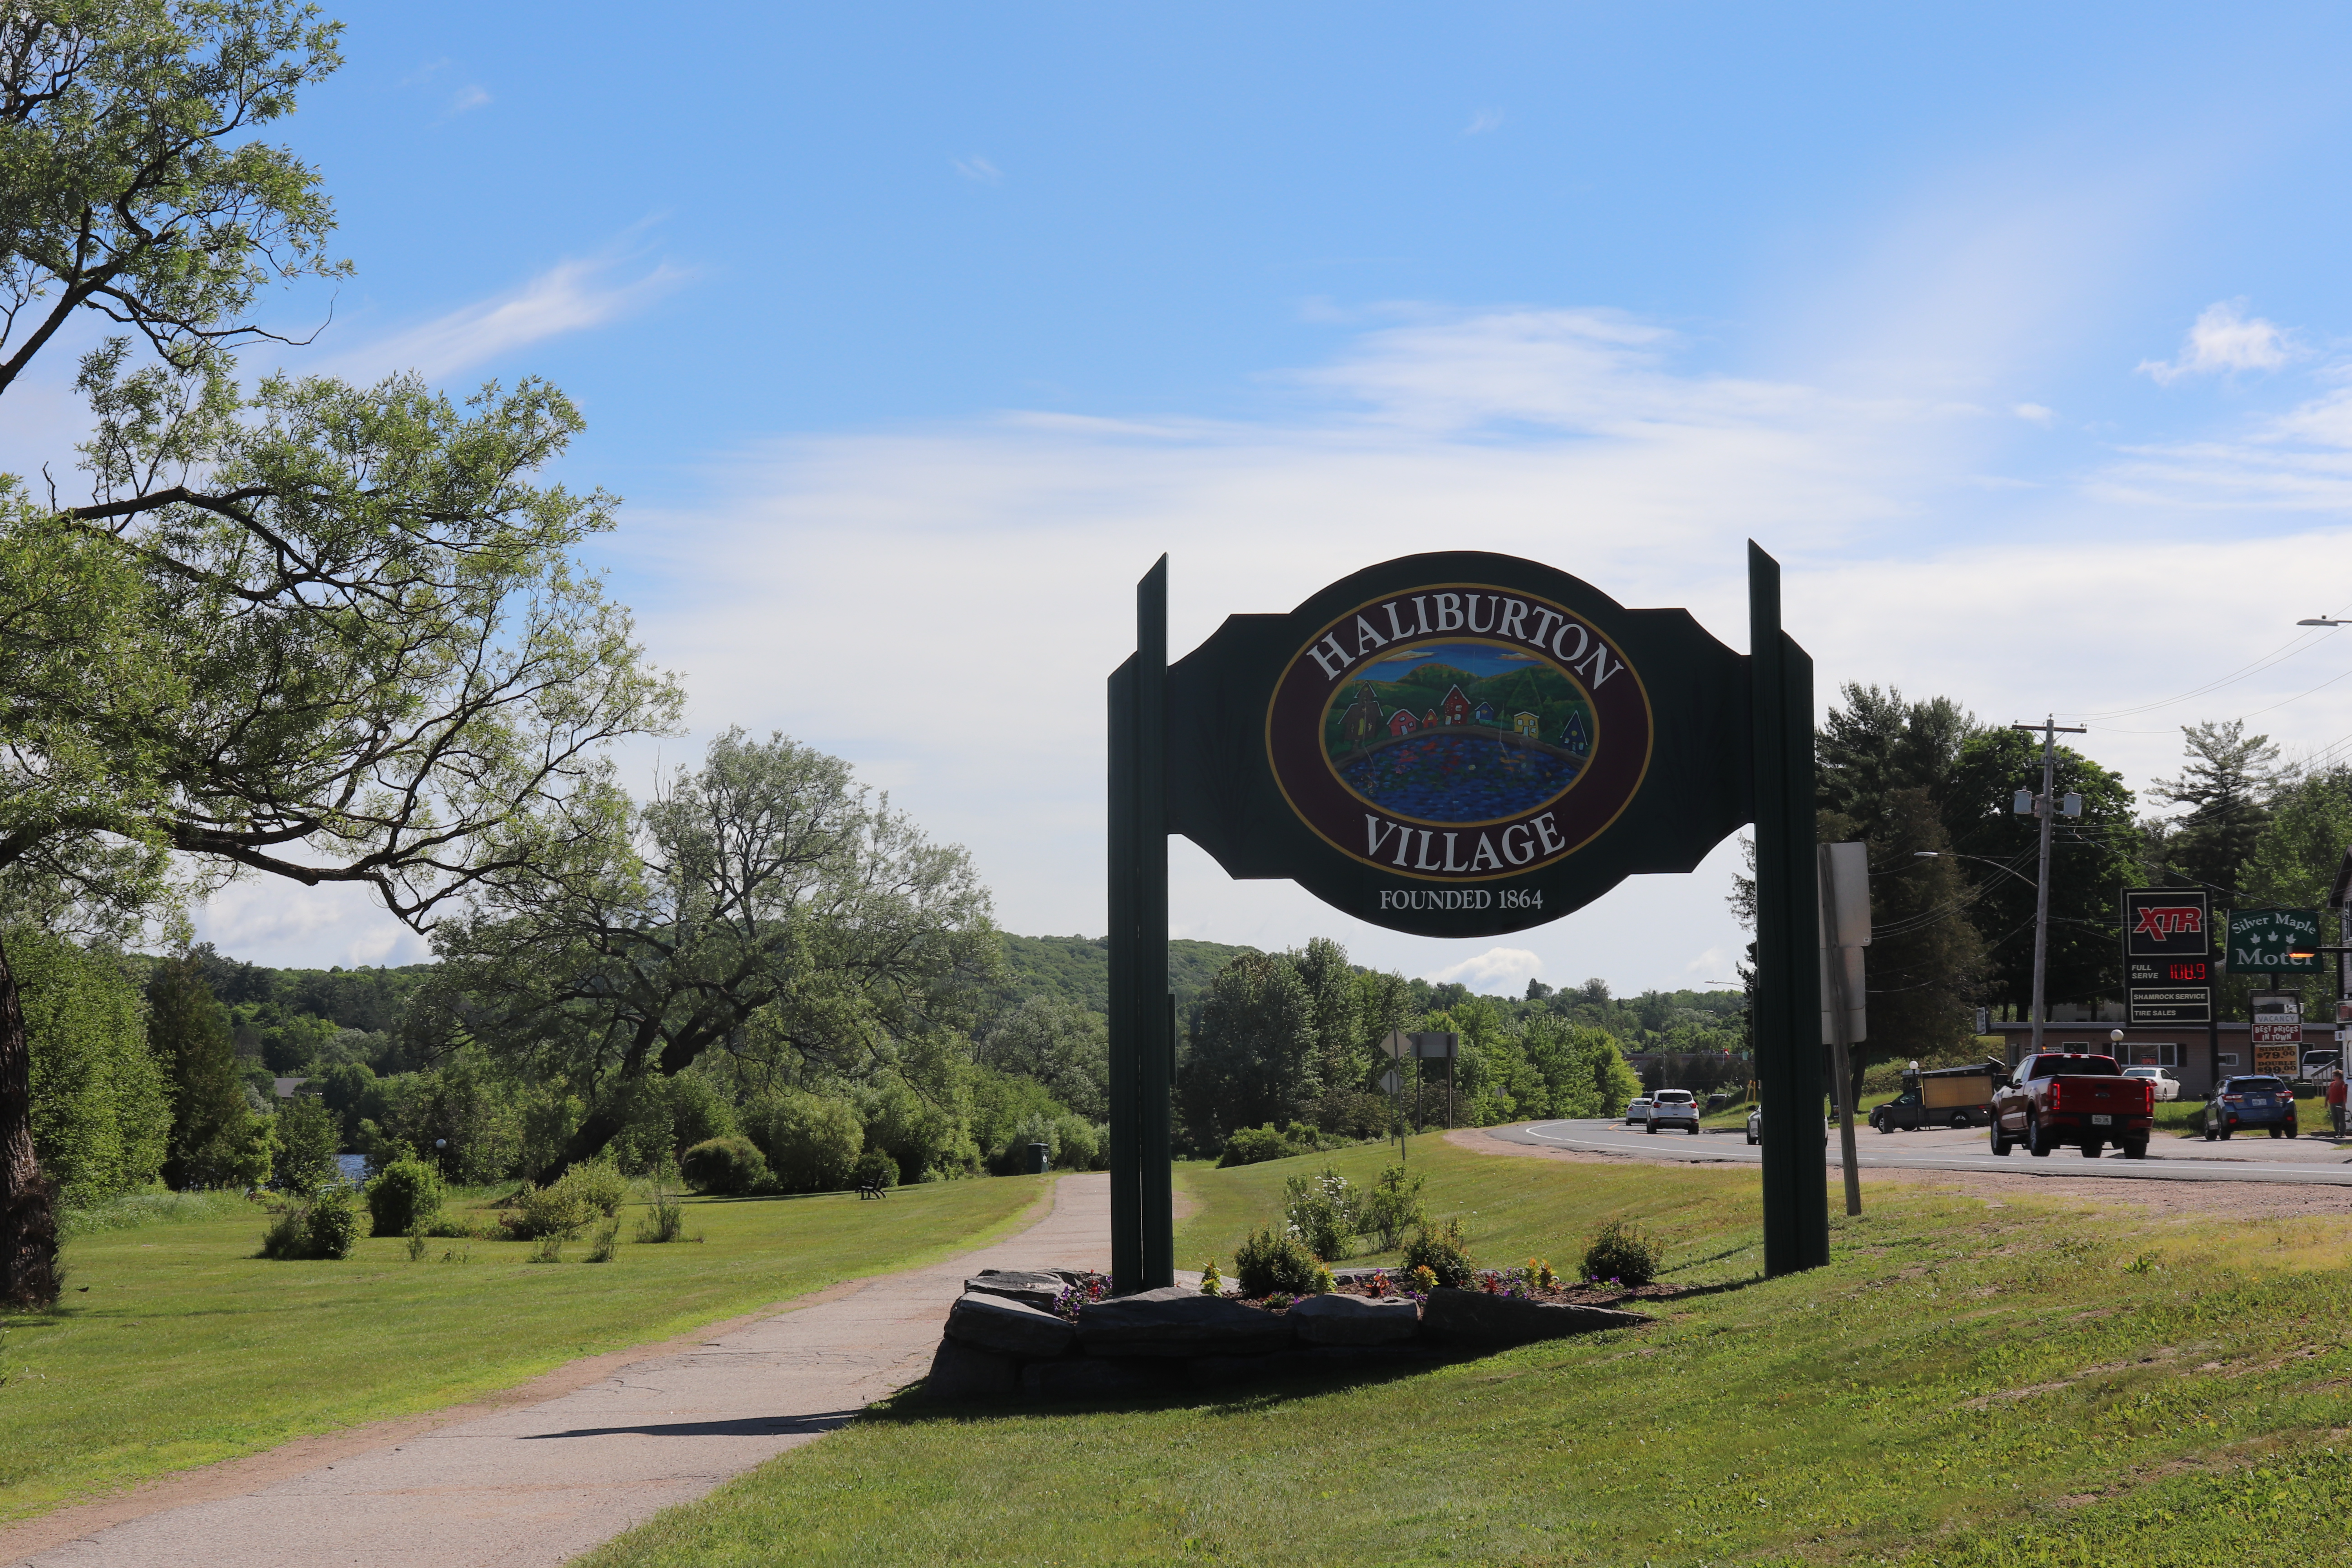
x=959, y=1372
x=1096, y=1377
x=1473, y=1317
x=1030, y=1287
x=992, y=1323
x=1176, y=1323
x=1337, y=1320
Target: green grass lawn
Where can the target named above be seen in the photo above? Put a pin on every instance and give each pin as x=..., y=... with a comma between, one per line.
x=175, y=1346
x=2020, y=1384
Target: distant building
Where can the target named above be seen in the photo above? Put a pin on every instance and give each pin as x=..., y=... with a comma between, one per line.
x=1528, y=725
x=1456, y=706
x=1430, y=719
x=1485, y=714
x=1402, y=723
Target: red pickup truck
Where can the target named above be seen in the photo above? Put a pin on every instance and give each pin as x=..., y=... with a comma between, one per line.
x=2069, y=1097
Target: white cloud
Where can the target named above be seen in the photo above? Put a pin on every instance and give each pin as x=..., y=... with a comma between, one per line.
x=567, y=297
x=268, y=920
x=2035, y=413
x=978, y=169
x=1496, y=971
x=472, y=96
x=1483, y=121
x=2224, y=340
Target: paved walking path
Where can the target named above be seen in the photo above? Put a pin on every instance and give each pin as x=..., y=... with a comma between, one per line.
x=542, y=1483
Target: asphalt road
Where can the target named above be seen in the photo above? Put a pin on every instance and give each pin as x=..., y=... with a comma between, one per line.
x=2304, y=1161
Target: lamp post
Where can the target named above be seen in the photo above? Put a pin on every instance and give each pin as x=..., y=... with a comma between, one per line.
x=2048, y=810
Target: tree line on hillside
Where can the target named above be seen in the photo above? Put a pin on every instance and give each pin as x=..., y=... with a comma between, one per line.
x=1928, y=787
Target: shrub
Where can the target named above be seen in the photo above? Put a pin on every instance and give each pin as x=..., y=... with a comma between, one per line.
x=728, y=1166
x=333, y=1228
x=309, y=1135
x=402, y=1192
x=608, y=1241
x=1079, y=1143
x=540, y=1212
x=1624, y=1253
x=327, y=1227
x=810, y=1142
x=665, y=1219
x=1266, y=1263
x=1444, y=1252
x=876, y=1169
x=598, y=1183
x=1321, y=1212
x=1392, y=1207
x=549, y=1250
x=1252, y=1145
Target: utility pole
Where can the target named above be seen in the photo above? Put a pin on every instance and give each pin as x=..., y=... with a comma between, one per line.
x=2041, y=806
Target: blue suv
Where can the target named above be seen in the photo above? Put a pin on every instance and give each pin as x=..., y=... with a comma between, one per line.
x=2251, y=1104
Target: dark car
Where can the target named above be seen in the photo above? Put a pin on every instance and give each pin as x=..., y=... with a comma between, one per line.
x=2256, y=1103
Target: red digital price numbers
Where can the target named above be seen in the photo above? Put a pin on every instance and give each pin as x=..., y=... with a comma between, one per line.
x=2190, y=970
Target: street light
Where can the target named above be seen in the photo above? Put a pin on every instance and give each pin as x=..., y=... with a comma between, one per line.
x=2322, y=621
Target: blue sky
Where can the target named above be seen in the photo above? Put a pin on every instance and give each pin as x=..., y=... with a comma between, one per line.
x=2022, y=334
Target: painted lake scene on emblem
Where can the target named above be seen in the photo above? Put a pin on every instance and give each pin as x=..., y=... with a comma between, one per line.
x=1458, y=730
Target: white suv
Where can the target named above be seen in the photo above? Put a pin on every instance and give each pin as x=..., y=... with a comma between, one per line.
x=1674, y=1107
x=2167, y=1086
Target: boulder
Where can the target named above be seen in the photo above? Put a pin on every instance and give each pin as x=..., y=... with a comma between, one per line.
x=1473, y=1317
x=959, y=1372
x=1035, y=1288
x=1175, y=1321
x=1337, y=1319
x=998, y=1323
x=1096, y=1378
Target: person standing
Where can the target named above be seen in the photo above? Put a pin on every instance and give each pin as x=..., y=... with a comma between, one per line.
x=2335, y=1092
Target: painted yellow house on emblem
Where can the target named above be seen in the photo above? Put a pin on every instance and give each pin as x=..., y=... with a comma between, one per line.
x=1526, y=724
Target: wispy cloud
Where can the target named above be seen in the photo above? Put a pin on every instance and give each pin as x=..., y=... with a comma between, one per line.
x=978, y=169
x=471, y=96
x=1482, y=122
x=567, y=297
x=2035, y=413
x=2223, y=342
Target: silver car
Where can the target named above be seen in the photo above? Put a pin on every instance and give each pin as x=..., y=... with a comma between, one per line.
x=1756, y=1125
x=1638, y=1110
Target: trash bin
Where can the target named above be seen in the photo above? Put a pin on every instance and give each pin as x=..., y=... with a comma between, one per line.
x=1041, y=1159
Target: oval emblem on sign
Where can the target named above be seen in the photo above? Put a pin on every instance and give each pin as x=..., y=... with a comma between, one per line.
x=1459, y=732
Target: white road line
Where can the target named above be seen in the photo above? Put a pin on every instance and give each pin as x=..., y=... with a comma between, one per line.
x=1604, y=1139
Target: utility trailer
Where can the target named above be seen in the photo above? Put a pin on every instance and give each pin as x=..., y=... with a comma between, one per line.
x=1943, y=1097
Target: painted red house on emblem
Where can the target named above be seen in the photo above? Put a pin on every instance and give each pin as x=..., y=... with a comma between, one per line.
x=1402, y=723
x=1456, y=707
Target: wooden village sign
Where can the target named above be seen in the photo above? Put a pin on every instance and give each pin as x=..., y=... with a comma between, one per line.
x=1462, y=744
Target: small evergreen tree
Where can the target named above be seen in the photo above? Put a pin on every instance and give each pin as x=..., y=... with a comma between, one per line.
x=216, y=1140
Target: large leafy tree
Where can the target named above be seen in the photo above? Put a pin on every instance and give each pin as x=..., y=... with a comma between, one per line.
x=2092, y=860
x=298, y=627
x=765, y=906
x=1253, y=1057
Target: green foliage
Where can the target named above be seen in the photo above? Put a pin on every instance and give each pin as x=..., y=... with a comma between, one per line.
x=606, y=1243
x=555, y=1212
x=1057, y=1045
x=728, y=1167
x=665, y=1218
x=1250, y=1145
x=216, y=1140
x=599, y=1184
x=309, y=1138
x=101, y=1103
x=1080, y=1144
x=875, y=1168
x=333, y=1227
x=403, y=1193
x=1392, y=1206
x=1321, y=1211
x=1623, y=1251
x=925, y=1134
x=327, y=1227
x=131, y=1211
x=1269, y=1261
x=1445, y=1252
x=1252, y=1057
x=810, y=1142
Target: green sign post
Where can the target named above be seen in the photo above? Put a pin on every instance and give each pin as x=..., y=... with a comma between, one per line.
x=1463, y=745
x=2274, y=942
